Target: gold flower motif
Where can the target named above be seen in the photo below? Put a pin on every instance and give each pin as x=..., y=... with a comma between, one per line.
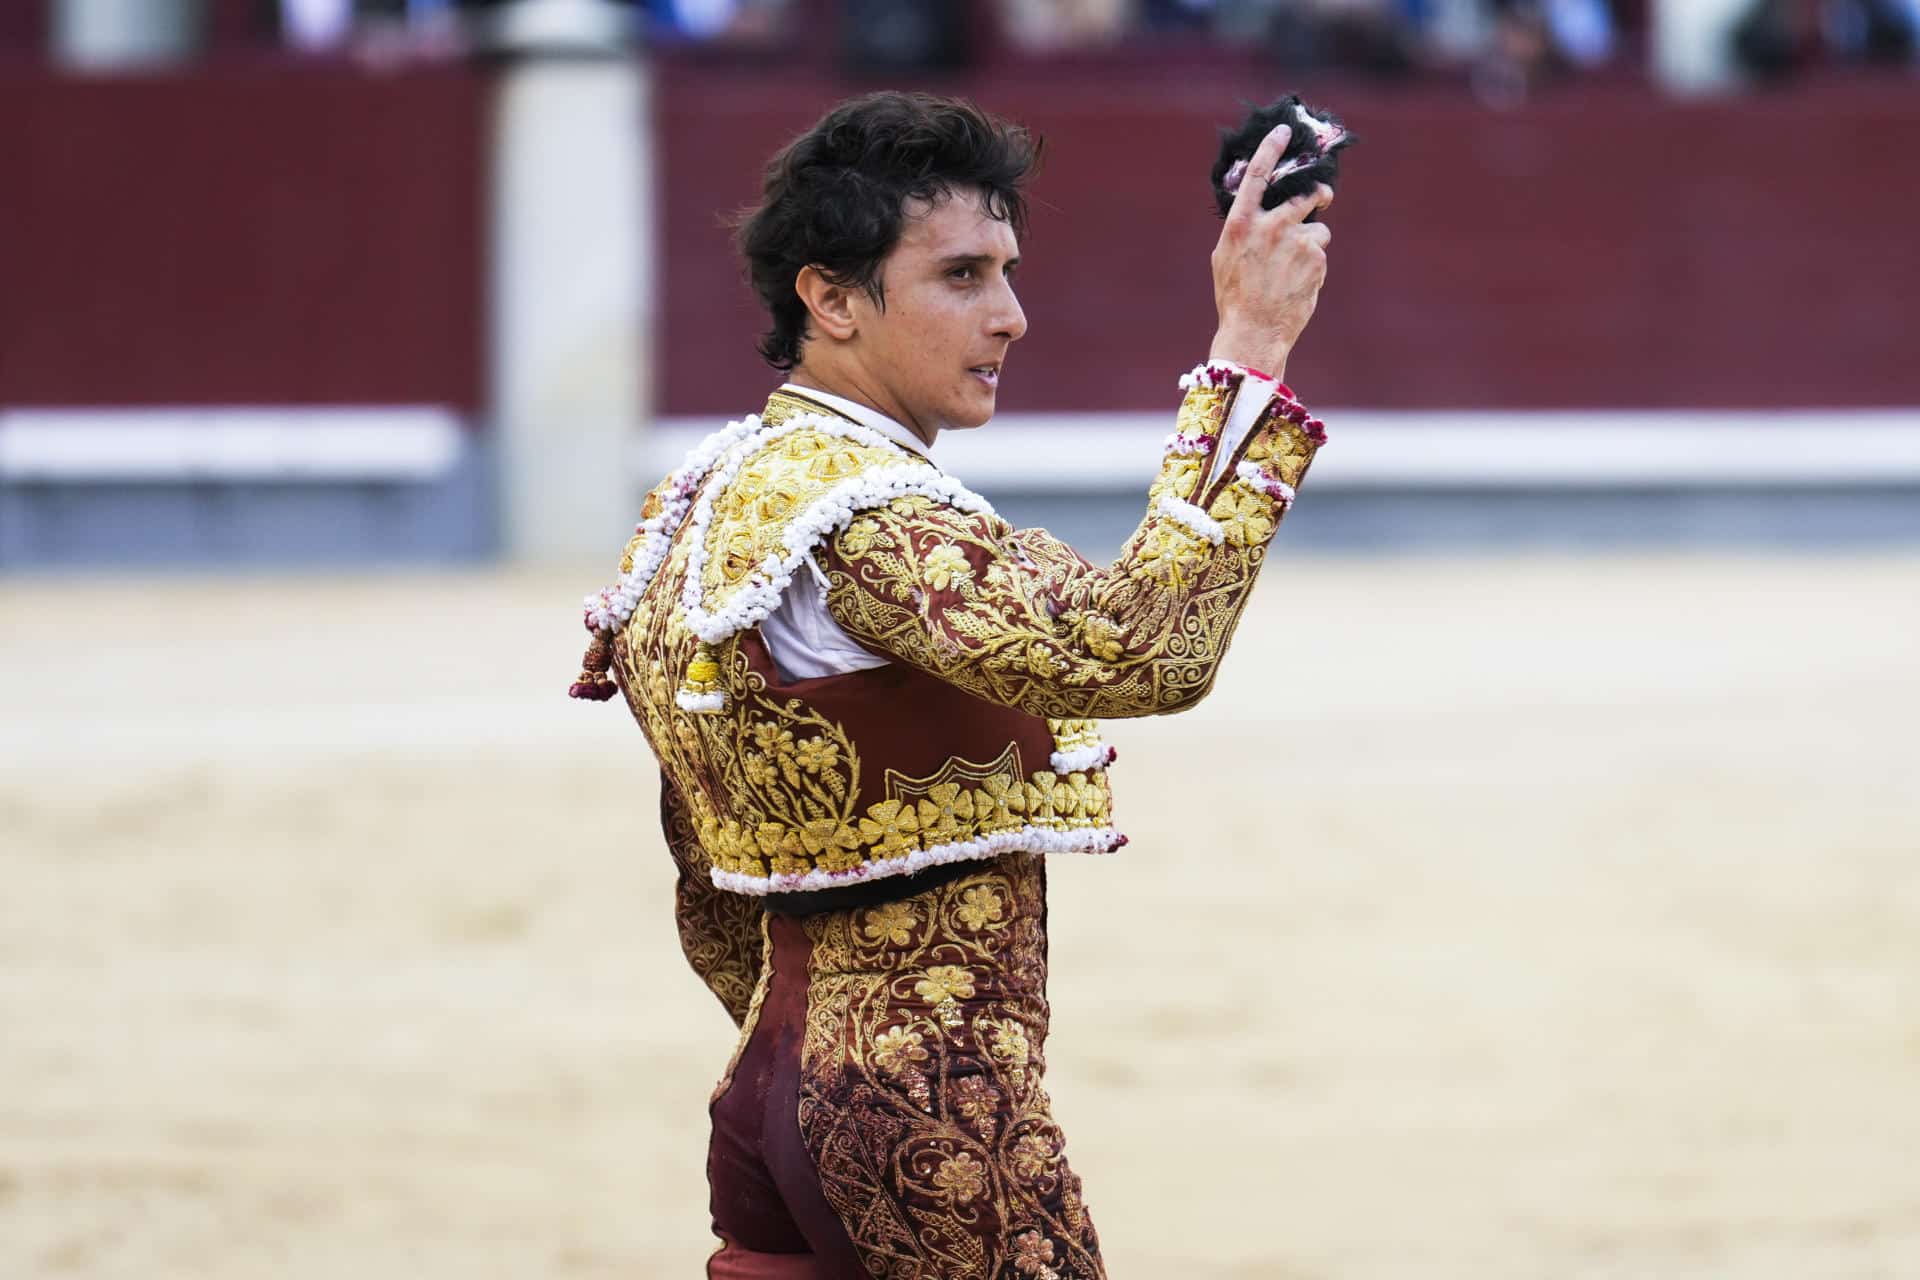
x=892, y=921
x=946, y=813
x=831, y=843
x=772, y=739
x=1104, y=639
x=1041, y=798
x=961, y=1178
x=974, y=1098
x=816, y=754
x=1010, y=1044
x=1246, y=516
x=1008, y=798
x=1169, y=554
x=893, y=826
x=759, y=770
x=860, y=537
x=898, y=1049
x=1032, y=1156
x=1073, y=797
x=1033, y=1256
x=979, y=907
x=944, y=982
x=1178, y=475
x=946, y=565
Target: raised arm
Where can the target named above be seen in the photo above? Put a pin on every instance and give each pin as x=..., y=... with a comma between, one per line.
x=1015, y=616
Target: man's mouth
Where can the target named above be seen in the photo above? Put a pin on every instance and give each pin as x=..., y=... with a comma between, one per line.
x=987, y=373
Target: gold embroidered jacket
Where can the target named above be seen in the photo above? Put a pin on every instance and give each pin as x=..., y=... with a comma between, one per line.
x=978, y=738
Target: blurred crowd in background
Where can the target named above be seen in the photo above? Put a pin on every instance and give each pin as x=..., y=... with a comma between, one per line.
x=1506, y=48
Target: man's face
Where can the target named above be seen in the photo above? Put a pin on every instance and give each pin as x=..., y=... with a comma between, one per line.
x=932, y=357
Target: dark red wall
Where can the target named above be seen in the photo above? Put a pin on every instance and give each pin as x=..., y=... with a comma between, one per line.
x=242, y=235
x=1604, y=248
x=268, y=234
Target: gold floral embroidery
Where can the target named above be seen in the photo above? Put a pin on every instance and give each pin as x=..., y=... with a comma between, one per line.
x=720, y=933
x=979, y=907
x=1019, y=619
x=939, y=1152
x=772, y=787
x=892, y=827
x=816, y=754
x=946, y=566
x=893, y=921
x=1245, y=516
x=1010, y=1043
x=860, y=536
x=1032, y=1156
x=1178, y=476
x=897, y=1049
x=1033, y=1256
x=946, y=813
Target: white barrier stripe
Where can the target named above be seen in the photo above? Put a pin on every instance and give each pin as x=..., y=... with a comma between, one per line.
x=412, y=443
x=1374, y=449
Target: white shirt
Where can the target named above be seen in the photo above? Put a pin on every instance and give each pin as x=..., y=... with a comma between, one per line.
x=802, y=636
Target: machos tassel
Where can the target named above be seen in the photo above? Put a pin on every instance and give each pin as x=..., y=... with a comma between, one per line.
x=700, y=690
x=595, y=684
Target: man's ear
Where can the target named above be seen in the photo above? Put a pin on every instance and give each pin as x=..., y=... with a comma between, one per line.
x=830, y=304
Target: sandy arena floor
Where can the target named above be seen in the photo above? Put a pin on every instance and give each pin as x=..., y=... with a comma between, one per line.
x=1550, y=918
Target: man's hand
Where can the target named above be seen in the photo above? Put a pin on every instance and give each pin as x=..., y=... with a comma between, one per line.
x=1267, y=268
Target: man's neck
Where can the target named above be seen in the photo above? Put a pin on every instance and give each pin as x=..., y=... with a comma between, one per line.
x=849, y=388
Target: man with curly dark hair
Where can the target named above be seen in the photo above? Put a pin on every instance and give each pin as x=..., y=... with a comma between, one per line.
x=874, y=701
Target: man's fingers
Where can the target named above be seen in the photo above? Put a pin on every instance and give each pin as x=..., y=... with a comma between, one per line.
x=1297, y=209
x=1317, y=233
x=1266, y=157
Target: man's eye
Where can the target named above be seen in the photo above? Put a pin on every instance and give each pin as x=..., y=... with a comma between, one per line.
x=960, y=273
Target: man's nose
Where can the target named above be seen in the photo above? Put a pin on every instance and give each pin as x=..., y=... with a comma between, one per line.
x=1010, y=322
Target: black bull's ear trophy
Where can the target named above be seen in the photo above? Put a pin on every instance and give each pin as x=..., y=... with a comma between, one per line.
x=1312, y=155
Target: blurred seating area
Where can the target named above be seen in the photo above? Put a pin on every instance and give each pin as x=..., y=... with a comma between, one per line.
x=1507, y=49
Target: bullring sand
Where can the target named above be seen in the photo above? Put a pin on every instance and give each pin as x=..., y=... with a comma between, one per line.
x=1495, y=918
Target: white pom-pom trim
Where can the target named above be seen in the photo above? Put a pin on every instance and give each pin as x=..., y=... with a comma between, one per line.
x=1189, y=446
x=1213, y=373
x=1083, y=759
x=1192, y=517
x=608, y=610
x=700, y=702
x=833, y=511
x=1279, y=490
x=1020, y=840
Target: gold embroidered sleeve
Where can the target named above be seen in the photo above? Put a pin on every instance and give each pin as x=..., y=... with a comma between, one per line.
x=719, y=931
x=1017, y=617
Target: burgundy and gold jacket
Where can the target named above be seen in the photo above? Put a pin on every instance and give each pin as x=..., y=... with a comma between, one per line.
x=978, y=736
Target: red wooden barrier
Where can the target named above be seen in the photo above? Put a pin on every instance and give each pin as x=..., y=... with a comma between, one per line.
x=242, y=235
x=1604, y=248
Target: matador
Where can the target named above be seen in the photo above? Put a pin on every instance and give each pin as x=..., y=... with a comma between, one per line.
x=875, y=702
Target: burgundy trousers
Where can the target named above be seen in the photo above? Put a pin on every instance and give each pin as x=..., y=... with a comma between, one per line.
x=768, y=1209
x=884, y=1114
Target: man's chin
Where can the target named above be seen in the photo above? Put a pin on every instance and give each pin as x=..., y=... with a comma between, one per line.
x=976, y=412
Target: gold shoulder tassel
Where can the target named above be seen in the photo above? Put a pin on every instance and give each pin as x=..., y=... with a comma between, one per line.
x=700, y=690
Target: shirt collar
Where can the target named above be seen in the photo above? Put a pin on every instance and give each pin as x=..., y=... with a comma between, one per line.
x=866, y=417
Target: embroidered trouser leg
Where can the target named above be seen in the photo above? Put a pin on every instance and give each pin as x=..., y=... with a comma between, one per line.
x=885, y=1114
x=917, y=1139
